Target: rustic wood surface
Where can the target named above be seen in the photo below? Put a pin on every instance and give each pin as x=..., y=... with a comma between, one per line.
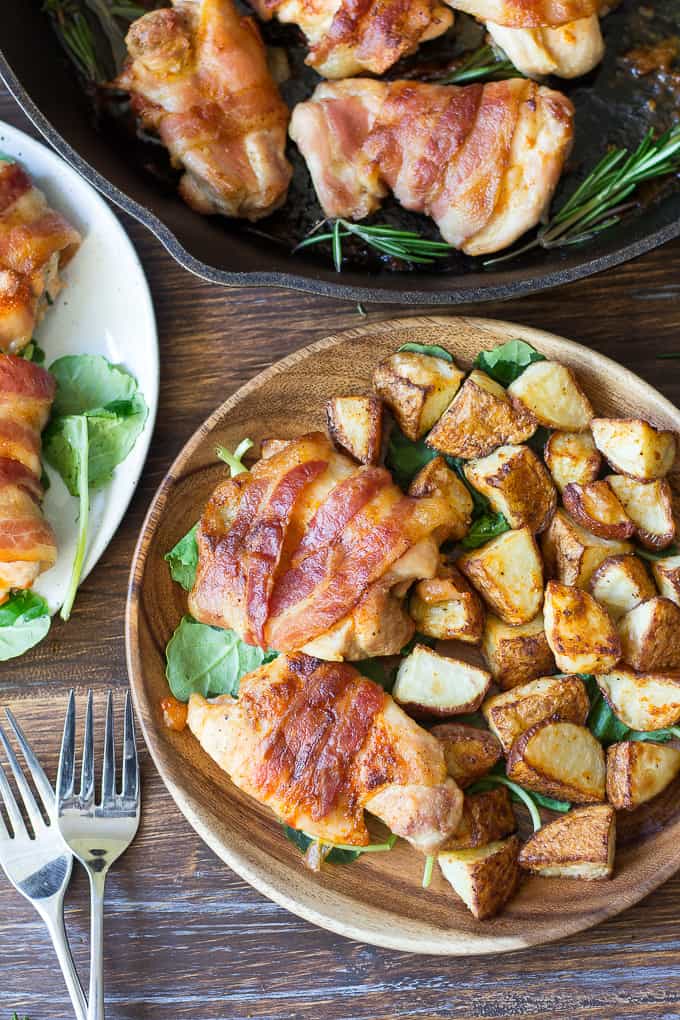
x=185, y=937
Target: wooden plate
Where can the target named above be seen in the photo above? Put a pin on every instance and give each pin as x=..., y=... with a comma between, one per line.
x=377, y=899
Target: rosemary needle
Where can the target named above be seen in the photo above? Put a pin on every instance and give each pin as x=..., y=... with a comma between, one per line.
x=484, y=64
x=399, y=244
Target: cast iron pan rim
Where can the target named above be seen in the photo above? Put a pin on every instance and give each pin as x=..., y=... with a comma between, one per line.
x=380, y=295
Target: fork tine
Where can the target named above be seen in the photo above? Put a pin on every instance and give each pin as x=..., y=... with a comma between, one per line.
x=42, y=783
x=109, y=767
x=32, y=809
x=87, y=773
x=130, y=760
x=11, y=806
x=67, y=756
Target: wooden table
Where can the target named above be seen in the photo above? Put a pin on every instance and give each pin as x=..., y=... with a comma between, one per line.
x=186, y=938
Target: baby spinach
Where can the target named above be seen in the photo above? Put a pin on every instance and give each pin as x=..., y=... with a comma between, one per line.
x=507, y=362
x=482, y=530
x=235, y=459
x=406, y=458
x=432, y=350
x=87, y=381
x=24, y=621
x=183, y=559
x=608, y=728
x=648, y=554
x=206, y=660
x=342, y=854
x=480, y=504
x=530, y=799
x=33, y=352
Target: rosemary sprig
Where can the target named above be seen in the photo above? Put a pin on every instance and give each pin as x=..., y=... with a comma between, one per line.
x=75, y=31
x=600, y=201
x=483, y=64
x=399, y=244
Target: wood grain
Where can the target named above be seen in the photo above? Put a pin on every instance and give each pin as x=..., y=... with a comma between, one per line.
x=186, y=938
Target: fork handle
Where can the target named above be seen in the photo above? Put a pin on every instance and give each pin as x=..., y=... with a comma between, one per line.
x=96, y=991
x=55, y=926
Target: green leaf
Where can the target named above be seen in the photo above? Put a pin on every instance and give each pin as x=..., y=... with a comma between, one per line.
x=485, y=528
x=86, y=382
x=647, y=554
x=75, y=437
x=235, y=459
x=480, y=504
x=608, y=728
x=33, y=352
x=24, y=621
x=432, y=350
x=339, y=854
x=406, y=458
x=507, y=362
x=550, y=802
x=208, y=660
x=378, y=671
x=183, y=559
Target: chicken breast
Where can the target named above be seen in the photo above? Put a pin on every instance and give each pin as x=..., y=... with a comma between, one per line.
x=528, y=13
x=567, y=51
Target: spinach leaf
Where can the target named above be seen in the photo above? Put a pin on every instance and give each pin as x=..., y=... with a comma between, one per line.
x=538, y=440
x=208, y=660
x=405, y=458
x=339, y=854
x=484, y=529
x=235, y=459
x=608, y=729
x=183, y=559
x=33, y=352
x=383, y=670
x=432, y=350
x=480, y=504
x=89, y=381
x=550, y=802
x=507, y=362
x=24, y=621
x=647, y=554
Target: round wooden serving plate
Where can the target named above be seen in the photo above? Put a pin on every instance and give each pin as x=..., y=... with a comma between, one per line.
x=377, y=899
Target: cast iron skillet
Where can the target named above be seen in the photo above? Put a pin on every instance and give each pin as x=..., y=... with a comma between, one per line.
x=612, y=107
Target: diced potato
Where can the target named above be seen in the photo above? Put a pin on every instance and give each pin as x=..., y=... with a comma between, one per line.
x=667, y=575
x=580, y=844
x=510, y=714
x=417, y=388
x=572, y=457
x=550, y=391
x=480, y=419
x=516, y=654
x=486, y=818
x=634, y=447
x=517, y=485
x=649, y=506
x=469, y=752
x=638, y=771
x=437, y=479
x=355, y=424
x=596, y=508
x=485, y=877
x=561, y=760
x=431, y=684
x=573, y=554
x=650, y=635
x=580, y=632
x=620, y=583
x=447, y=608
x=269, y=447
x=508, y=573
x=642, y=701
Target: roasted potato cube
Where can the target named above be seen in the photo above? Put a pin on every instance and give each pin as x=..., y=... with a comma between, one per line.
x=355, y=424
x=485, y=877
x=480, y=419
x=642, y=701
x=508, y=573
x=621, y=583
x=550, y=391
x=580, y=844
x=580, y=632
x=486, y=818
x=430, y=684
x=638, y=771
x=510, y=714
x=572, y=457
x=650, y=635
x=559, y=759
x=269, y=447
x=437, y=479
x=516, y=654
x=447, y=608
x=596, y=508
x=667, y=576
x=517, y=485
x=417, y=388
x=572, y=554
x=649, y=506
x=634, y=447
x=469, y=751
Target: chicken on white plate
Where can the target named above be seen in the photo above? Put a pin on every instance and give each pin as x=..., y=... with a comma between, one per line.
x=482, y=160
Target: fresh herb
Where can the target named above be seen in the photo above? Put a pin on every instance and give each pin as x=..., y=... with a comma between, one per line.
x=648, y=554
x=209, y=660
x=432, y=351
x=529, y=798
x=33, y=352
x=339, y=853
x=398, y=244
x=667, y=357
x=24, y=621
x=235, y=459
x=183, y=559
x=427, y=871
x=480, y=504
x=405, y=458
x=600, y=201
x=485, y=528
x=608, y=728
x=15, y=1016
x=484, y=64
x=383, y=670
x=507, y=362
x=74, y=27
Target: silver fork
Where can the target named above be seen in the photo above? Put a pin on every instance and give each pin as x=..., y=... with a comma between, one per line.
x=38, y=866
x=97, y=833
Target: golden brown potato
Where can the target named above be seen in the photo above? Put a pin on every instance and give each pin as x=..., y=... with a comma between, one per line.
x=572, y=457
x=429, y=684
x=510, y=714
x=271, y=446
x=551, y=393
x=634, y=447
x=517, y=485
x=642, y=701
x=437, y=479
x=516, y=654
x=485, y=877
x=355, y=424
x=469, y=751
x=417, y=388
x=580, y=632
x=508, y=574
x=487, y=817
x=649, y=506
x=479, y=419
x=638, y=771
x=572, y=554
x=447, y=608
x=650, y=635
x=667, y=576
x=559, y=759
x=580, y=844
x=620, y=583
x=596, y=508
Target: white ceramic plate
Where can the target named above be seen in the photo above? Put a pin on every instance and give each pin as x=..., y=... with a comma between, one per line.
x=105, y=308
